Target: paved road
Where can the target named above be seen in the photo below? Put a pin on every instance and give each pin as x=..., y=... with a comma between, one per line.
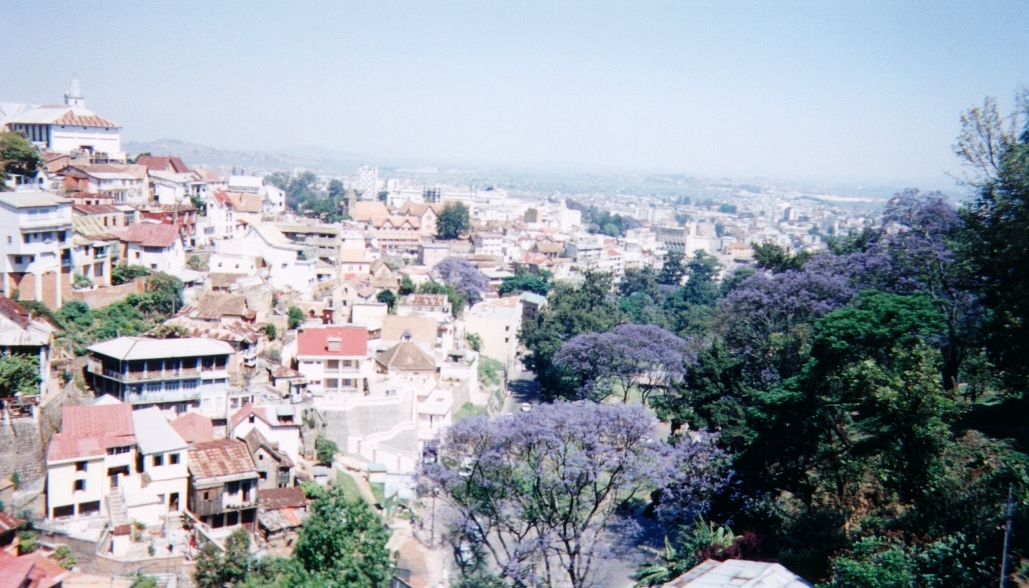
x=521, y=387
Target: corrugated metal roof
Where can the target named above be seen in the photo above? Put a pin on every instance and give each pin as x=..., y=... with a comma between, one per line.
x=128, y=348
x=153, y=432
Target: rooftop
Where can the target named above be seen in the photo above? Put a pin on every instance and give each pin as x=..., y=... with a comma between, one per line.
x=129, y=348
x=193, y=427
x=353, y=341
x=738, y=573
x=31, y=199
x=153, y=432
x=406, y=356
x=223, y=457
x=276, y=498
x=148, y=234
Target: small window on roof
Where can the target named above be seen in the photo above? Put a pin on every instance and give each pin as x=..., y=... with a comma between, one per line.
x=334, y=343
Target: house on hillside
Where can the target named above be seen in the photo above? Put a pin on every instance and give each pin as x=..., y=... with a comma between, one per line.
x=21, y=334
x=333, y=359
x=278, y=424
x=35, y=230
x=153, y=245
x=223, y=484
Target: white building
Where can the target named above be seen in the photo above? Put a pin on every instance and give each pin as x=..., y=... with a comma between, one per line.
x=278, y=424
x=153, y=245
x=333, y=359
x=66, y=128
x=367, y=182
x=497, y=322
x=286, y=264
x=35, y=238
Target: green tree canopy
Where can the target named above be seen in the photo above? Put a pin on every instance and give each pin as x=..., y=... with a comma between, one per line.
x=17, y=156
x=453, y=221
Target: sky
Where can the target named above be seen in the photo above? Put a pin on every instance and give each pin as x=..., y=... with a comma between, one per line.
x=825, y=91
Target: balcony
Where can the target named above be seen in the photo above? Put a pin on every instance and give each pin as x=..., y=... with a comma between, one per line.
x=181, y=395
x=150, y=376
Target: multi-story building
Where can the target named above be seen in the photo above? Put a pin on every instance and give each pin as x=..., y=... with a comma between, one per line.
x=278, y=424
x=333, y=359
x=497, y=322
x=35, y=236
x=489, y=244
x=111, y=461
x=176, y=375
x=324, y=238
x=223, y=484
x=153, y=245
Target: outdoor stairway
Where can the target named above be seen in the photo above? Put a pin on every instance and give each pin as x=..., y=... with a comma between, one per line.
x=116, y=508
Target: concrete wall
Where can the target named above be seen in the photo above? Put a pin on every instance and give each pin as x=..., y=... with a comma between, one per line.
x=109, y=295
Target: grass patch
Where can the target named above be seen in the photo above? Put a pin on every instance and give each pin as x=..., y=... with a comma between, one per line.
x=379, y=492
x=489, y=371
x=469, y=410
x=349, y=484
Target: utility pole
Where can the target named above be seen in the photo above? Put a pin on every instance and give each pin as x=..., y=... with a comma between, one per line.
x=1007, y=536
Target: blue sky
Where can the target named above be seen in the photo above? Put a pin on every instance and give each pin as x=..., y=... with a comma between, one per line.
x=860, y=91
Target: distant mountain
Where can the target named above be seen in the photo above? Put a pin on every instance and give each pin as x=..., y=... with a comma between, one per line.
x=313, y=158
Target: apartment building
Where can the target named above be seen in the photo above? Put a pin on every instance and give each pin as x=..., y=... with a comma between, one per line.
x=333, y=359
x=175, y=375
x=35, y=236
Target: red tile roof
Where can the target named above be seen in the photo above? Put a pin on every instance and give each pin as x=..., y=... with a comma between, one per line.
x=194, y=427
x=159, y=163
x=64, y=447
x=7, y=522
x=98, y=420
x=276, y=498
x=149, y=234
x=17, y=313
x=72, y=119
x=223, y=457
x=247, y=410
x=315, y=341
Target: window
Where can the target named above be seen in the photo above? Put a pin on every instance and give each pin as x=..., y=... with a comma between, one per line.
x=506, y=339
x=181, y=408
x=260, y=457
x=232, y=488
x=251, y=419
x=64, y=511
x=347, y=383
x=174, y=385
x=189, y=385
x=332, y=364
x=331, y=383
x=118, y=450
x=507, y=328
x=80, y=466
x=87, y=508
x=80, y=485
x=153, y=266
x=153, y=387
x=207, y=496
x=158, y=460
x=348, y=363
x=173, y=459
x=263, y=475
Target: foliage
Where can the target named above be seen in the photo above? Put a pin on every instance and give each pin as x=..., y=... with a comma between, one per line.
x=64, y=557
x=631, y=358
x=545, y=486
x=602, y=221
x=215, y=569
x=143, y=581
x=17, y=156
x=406, y=286
x=389, y=298
x=672, y=270
x=456, y=299
x=490, y=370
x=571, y=310
x=526, y=281
x=879, y=562
x=19, y=374
x=698, y=543
x=326, y=449
x=165, y=331
x=196, y=264
x=15, y=479
x=294, y=317
x=270, y=331
x=80, y=281
x=474, y=341
x=123, y=274
x=453, y=221
x=342, y=544
x=463, y=276
x=772, y=257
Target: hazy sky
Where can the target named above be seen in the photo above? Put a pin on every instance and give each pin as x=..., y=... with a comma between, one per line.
x=811, y=90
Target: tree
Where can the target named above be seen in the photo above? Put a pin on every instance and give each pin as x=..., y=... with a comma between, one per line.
x=164, y=293
x=270, y=331
x=342, y=543
x=123, y=274
x=463, y=276
x=640, y=281
x=640, y=358
x=19, y=374
x=196, y=264
x=537, y=496
x=453, y=221
x=17, y=156
x=672, y=271
x=474, y=341
x=326, y=449
x=995, y=243
x=294, y=317
x=406, y=286
x=570, y=311
x=776, y=259
x=215, y=569
x=526, y=281
x=456, y=299
x=389, y=298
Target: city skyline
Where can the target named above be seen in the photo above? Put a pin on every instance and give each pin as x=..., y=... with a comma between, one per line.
x=791, y=91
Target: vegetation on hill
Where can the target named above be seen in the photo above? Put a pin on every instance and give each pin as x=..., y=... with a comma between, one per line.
x=453, y=221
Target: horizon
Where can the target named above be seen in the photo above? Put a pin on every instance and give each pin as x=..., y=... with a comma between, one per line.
x=843, y=95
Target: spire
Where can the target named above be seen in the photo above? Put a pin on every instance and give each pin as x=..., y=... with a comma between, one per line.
x=73, y=97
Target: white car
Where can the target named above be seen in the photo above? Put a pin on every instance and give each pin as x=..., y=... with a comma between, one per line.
x=526, y=407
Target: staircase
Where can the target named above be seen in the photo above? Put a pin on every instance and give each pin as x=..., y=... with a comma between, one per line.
x=116, y=509
x=173, y=521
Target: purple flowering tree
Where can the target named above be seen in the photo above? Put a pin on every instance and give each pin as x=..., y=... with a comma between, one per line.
x=536, y=497
x=463, y=276
x=631, y=357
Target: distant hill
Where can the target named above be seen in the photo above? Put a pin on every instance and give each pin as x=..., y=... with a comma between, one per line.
x=313, y=158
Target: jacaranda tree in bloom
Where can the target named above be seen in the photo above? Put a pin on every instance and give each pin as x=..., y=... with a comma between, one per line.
x=640, y=357
x=535, y=499
x=462, y=275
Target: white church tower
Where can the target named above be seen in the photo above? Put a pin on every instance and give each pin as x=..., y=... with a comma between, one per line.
x=73, y=97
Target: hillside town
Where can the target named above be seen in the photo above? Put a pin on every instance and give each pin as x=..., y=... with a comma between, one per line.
x=284, y=332
x=197, y=344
